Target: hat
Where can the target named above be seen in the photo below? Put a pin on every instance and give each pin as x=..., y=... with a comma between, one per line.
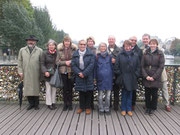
x=32, y=37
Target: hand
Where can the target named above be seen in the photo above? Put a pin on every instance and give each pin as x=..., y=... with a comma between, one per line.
x=148, y=78
x=81, y=75
x=113, y=60
x=68, y=63
x=151, y=79
x=47, y=74
x=21, y=75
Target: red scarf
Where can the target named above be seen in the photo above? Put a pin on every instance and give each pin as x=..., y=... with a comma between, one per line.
x=52, y=52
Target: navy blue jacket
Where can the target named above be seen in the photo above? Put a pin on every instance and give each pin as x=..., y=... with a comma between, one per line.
x=86, y=83
x=128, y=68
x=104, y=72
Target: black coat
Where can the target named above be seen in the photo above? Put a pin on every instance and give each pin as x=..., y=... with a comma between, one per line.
x=128, y=67
x=47, y=62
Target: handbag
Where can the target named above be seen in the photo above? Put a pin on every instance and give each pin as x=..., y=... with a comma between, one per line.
x=56, y=79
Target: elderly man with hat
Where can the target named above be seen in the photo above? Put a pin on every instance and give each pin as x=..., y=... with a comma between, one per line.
x=29, y=70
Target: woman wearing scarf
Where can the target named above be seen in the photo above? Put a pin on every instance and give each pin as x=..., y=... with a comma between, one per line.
x=104, y=77
x=48, y=67
x=64, y=56
x=127, y=67
x=152, y=66
x=83, y=67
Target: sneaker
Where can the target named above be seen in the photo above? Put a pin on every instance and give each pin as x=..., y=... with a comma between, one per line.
x=130, y=113
x=79, y=111
x=123, y=113
x=88, y=111
x=168, y=108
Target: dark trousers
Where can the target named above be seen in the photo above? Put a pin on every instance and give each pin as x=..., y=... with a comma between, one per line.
x=116, y=90
x=151, y=96
x=92, y=99
x=33, y=100
x=85, y=99
x=67, y=90
x=134, y=98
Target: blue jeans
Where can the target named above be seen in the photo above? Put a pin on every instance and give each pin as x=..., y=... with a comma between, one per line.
x=104, y=106
x=126, y=100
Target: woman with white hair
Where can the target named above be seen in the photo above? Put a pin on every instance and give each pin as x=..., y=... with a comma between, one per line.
x=48, y=67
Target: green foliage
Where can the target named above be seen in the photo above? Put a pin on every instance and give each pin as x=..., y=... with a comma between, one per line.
x=175, y=47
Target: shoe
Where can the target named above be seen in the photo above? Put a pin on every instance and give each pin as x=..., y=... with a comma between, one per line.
x=79, y=111
x=168, y=108
x=88, y=111
x=130, y=113
x=54, y=106
x=50, y=107
x=30, y=107
x=133, y=107
x=36, y=108
x=70, y=108
x=101, y=113
x=147, y=111
x=65, y=108
x=151, y=112
x=123, y=113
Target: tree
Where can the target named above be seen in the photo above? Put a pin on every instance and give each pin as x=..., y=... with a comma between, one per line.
x=16, y=25
x=175, y=47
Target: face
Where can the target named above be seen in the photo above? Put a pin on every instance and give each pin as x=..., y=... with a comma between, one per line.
x=145, y=40
x=111, y=41
x=67, y=44
x=82, y=46
x=133, y=41
x=127, y=47
x=51, y=46
x=31, y=42
x=102, y=48
x=90, y=43
x=153, y=46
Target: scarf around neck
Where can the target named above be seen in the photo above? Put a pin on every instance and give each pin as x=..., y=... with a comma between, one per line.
x=81, y=62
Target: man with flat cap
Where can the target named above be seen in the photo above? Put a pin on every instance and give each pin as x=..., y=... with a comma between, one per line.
x=29, y=70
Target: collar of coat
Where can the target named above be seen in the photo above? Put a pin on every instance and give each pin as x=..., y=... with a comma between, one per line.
x=60, y=47
x=124, y=52
x=148, y=51
x=88, y=52
x=27, y=49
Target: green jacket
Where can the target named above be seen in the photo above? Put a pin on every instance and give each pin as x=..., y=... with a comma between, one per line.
x=29, y=65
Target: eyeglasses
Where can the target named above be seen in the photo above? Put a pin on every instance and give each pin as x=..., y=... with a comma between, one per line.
x=82, y=44
x=133, y=40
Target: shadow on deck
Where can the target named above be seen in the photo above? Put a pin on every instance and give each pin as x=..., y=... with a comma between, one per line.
x=44, y=121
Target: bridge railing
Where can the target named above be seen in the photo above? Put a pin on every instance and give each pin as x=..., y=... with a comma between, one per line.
x=9, y=80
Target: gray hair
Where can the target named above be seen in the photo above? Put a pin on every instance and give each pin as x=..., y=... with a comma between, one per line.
x=111, y=36
x=102, y=43
x=51, y=42
x=146, y=35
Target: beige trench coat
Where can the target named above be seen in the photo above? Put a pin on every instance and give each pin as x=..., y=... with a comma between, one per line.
x=29, y=65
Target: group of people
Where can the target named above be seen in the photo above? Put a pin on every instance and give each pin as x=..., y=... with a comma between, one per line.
x=84, y=67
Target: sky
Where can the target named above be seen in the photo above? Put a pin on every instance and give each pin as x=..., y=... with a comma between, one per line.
x=121, y=18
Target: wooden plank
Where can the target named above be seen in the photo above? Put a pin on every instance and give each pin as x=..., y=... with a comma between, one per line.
x=138, y=123
x=88, y=127
x=67, y=123
x=55, y=119
x=165, y=122
x=117, y=125
x=81, y=124
x=141, y=116
x=152, y=123
x=132, y=125
x=7, y=125
x=95, y=122
x=26, y=119
x=123, y=123
x=33, y=121
x=60, y=123
x=102, y=125
x=7, y=109
x=73, y=125
x=110, y=124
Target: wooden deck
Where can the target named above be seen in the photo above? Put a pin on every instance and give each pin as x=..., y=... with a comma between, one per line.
x=44, y=121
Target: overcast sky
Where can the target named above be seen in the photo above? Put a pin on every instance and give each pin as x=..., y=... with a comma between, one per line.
x=121, y=18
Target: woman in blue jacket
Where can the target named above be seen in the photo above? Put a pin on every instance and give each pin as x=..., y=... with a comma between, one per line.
x=83, y=66
x=104, y=77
